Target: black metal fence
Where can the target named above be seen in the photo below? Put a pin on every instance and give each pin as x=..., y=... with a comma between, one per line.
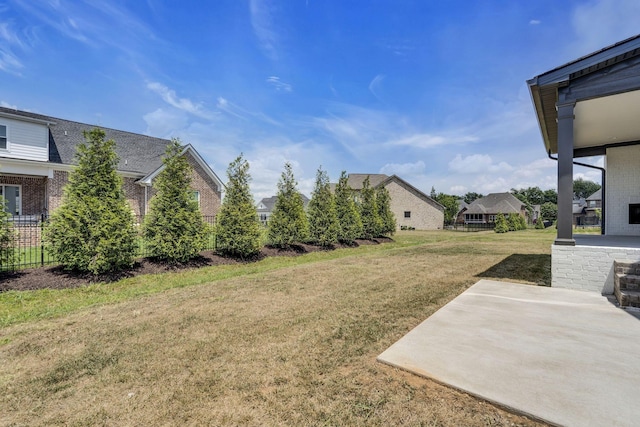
x=29, y=251
x=471, y=227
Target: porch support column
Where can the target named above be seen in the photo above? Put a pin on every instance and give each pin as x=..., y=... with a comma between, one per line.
x=565, y=174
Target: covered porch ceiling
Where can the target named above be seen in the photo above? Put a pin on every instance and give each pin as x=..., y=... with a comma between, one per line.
x=608, y=120
x=605, y=88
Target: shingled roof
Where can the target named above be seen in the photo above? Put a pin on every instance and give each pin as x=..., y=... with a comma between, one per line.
x=355, y=180
x=270, y=202
x=495, y=203
x=139, y=154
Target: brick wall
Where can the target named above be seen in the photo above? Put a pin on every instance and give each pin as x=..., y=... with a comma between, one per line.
x=210, y=194
x=424, y=216
x=134, y=193
x=623, y=188
x=32, y=192
x=587, y=268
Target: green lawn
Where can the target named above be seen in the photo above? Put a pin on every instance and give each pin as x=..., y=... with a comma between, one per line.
x=283, y=341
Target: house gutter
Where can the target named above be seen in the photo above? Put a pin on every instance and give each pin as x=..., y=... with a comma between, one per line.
x=604, y=180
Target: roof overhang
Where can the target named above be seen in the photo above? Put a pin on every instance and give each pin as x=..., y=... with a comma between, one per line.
x=26, y=118
x=605, y=87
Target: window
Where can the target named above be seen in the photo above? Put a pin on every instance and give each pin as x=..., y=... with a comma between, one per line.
x=11, y=195
x=3, y=137
x=492, y=218
x=473, y=218
x=634, y=213
x=407, y=214
x=196, y=196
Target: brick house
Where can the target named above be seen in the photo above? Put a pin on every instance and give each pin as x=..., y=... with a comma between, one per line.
x=37, y=153
x=410, y=206
x=590, y=107
x=485, y=209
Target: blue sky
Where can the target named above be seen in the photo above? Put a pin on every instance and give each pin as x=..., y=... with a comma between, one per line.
x=433, y=91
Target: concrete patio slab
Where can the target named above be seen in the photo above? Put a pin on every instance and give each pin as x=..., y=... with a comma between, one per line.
x=562, y=356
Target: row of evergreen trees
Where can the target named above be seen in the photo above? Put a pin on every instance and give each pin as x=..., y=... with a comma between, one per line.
x=93, y=230
x=331, y=217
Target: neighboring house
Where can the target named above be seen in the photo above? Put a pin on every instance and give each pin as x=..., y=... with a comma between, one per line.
x=579, y=209
x=410, y=206
x=590, y=107
x=594, y=208
x=462, y=208
x=266, y=205
x=37, y=153
x=485, y=209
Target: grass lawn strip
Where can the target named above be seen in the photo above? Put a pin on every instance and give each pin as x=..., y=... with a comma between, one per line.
x=287, y=342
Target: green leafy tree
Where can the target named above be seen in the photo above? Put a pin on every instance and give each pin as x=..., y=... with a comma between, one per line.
x=451, y=206
x=471, y=196
x=238, y=230
x=288, y=223
x=551, y=196
x=387, y=218
x=350, y=224
x=549, y=211
x=371, y=222
x=540, y=223
x=530, y=195
x=323, y=218
x=583, y=188
x=501, y=224
x=174, y=229
x=93, y=230
x=8, y=236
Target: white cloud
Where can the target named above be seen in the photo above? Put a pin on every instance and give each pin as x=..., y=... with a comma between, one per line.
x=169, y=96
x=278, y=84
x=403, y=169
x=616, y=20
x=458, y=189
x=423, y=140
x=7, y=105
x=477, y=163
x=262, y=17
x=534, y=22
x=9, y=62
x=163, y=123
x=375, y=85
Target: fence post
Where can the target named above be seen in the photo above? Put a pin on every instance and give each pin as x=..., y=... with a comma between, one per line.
x=41, y=241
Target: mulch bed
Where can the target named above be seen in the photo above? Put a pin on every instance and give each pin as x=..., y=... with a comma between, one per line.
x=57, y=278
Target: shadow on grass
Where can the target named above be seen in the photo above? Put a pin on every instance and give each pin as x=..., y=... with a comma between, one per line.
x=534, y=268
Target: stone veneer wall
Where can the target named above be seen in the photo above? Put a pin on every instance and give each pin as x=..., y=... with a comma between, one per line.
x=623, y=188
x=424, y=216
x=587, y=268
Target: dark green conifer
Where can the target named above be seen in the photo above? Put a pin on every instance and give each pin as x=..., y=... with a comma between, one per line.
x=288, y=223
x=323, y=220
x=93, y=229
x=238, y=230
x=174, y=229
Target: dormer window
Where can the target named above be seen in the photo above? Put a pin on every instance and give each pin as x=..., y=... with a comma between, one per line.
x=3, y=137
